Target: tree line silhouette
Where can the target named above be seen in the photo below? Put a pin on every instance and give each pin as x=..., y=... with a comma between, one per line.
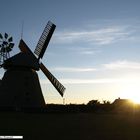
x=93, y=106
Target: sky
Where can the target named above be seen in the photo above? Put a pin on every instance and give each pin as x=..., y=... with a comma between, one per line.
x=94, y=51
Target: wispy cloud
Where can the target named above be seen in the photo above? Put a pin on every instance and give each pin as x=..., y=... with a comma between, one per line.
x=89, y=81
x=102, y=36
x=85, y=50
x=73, y=69
x=123, y=64
x=96, y=81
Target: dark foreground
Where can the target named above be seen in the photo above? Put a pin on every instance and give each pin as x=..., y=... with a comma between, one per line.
x=71, y=126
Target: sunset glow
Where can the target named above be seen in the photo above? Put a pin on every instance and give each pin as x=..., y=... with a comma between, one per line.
x=132, y=92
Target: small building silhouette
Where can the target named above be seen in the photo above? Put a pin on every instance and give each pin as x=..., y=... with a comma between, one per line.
x=120, y=101
x=124, y=105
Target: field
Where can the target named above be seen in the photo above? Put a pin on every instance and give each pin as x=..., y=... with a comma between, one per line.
x=71, y=126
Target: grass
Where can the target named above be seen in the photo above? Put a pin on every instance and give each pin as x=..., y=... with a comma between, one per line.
x=74, y=126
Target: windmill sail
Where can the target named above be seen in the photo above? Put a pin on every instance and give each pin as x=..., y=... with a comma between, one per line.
x=24, y=48
x=60, y=88
x=44, y=39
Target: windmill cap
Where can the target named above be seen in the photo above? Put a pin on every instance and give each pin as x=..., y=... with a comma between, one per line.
x=22, y=60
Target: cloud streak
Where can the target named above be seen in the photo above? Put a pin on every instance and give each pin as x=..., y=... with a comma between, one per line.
x=96, y=81
x=91, y=81
x=85, y=50
x=124, y=64
x=102, y=36
x=73, y=69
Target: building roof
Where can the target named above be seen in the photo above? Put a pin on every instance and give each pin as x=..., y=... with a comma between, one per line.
x=22, y=60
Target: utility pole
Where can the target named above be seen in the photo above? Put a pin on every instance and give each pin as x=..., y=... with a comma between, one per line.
x=63, y=101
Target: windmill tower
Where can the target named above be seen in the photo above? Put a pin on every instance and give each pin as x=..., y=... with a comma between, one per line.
x=20, y=86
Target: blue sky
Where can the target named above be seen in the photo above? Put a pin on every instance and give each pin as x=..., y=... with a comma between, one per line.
x=94, y=50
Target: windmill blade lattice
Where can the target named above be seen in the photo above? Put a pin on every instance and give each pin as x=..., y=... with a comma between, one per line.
x=6, y=45
x=44, y=39
x=59, y=87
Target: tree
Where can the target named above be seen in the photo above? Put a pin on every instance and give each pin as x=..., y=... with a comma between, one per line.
x=106, y=102
x=93, y=102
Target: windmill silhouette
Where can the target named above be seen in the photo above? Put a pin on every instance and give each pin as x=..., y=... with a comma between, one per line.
x=20, y=86
x=6, y=46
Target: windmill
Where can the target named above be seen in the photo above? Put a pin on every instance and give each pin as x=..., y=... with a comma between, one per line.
x=6, y=45
x=21, y=78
